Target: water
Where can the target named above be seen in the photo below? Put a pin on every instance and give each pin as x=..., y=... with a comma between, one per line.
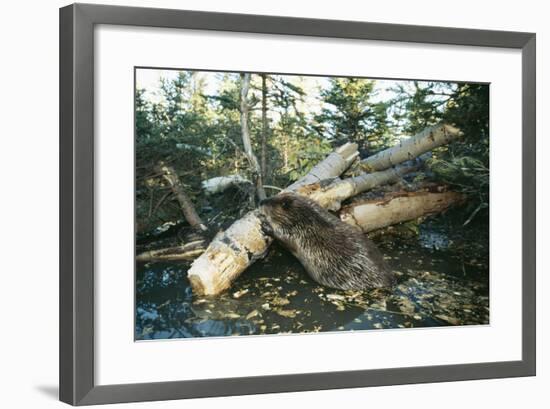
x=443, y=280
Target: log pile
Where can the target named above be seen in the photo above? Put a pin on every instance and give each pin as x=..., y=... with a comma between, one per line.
x=244, y=242
x=232, y=251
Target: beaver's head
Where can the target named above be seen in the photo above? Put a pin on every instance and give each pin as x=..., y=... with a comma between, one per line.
x=283, y=211
x=287, y=212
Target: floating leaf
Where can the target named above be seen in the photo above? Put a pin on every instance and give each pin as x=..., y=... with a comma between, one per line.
x=239, y=294
x=286, y=313
x=252, y=314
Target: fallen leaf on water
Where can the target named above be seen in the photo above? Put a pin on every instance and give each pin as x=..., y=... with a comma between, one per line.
x=252, y=314
x=239, y=294
x=406, y=306
x=286, y=313
x=450, y=320
x=280, y=301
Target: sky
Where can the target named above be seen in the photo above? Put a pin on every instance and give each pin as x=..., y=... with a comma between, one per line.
x=149, y=80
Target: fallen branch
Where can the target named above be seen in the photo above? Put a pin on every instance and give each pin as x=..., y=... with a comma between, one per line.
x=186, y=205
x=187, y=251
x=411, y=148
x=398, y=207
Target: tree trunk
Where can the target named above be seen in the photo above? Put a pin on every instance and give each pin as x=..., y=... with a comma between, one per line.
x=413, y=147
x=186, y=205
x=233, y=250
x=264, y=127
x=398, y=207
x=246, y=137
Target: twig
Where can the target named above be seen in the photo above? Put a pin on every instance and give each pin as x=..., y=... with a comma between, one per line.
x=161, y=201
x=273, y=187
x=476, y=211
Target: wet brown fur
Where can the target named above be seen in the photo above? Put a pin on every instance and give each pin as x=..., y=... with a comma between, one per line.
x=334, y=253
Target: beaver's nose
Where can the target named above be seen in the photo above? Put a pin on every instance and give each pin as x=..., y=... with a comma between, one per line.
x=263, y=202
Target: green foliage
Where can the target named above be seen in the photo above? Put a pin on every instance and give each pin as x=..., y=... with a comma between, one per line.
x=192, y=121
x=464, y=163
x=349, y=114
x=468, y=109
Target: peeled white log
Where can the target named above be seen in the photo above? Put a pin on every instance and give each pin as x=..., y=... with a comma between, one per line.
x=228, y=255
x=233, y=250
x=396, y=208
x=412, y=147
x=332, y=196
x=332, y=166
x=222, y=183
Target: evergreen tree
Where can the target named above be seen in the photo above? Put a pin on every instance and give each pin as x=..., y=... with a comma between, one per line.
x=349, y=114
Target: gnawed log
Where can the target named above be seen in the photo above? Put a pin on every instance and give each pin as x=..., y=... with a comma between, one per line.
x=332, y=166
x=233, y=250
x=228, y=255
x=332, y=196
x=186, y=205
x=411, y=148
x=398, y=207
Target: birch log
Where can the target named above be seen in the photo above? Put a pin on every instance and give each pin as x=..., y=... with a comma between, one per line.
x=222, y=183
x=398, y=207
x=331, y=197
x=233, y=250
x=410, y=148
x=333, y=166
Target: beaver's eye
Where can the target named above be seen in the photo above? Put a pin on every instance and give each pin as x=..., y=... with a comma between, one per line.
x=285, y=203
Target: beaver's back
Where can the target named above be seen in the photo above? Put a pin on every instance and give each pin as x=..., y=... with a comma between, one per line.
x=334, y=253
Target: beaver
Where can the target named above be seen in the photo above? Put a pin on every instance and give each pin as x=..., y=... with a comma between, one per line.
x=334, y=253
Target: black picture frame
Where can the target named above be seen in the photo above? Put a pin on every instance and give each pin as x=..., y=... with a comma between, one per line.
x=77, y=21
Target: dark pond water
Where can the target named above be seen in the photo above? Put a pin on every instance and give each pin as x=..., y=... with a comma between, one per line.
x=443, y=280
